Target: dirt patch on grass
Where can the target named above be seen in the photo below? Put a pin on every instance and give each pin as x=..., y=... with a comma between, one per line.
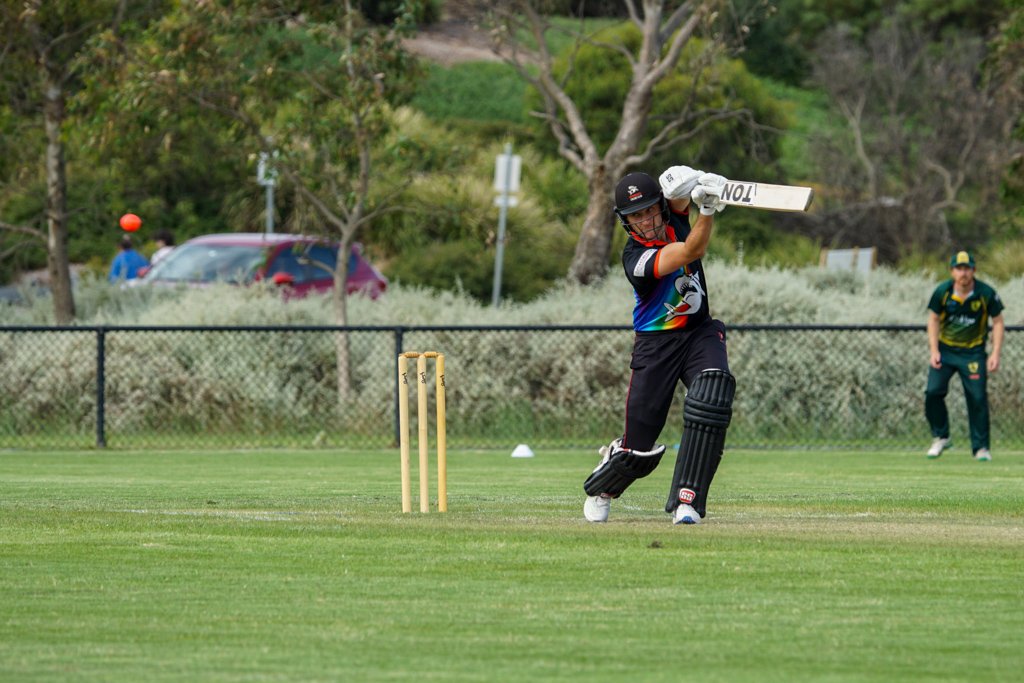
x=458, y=37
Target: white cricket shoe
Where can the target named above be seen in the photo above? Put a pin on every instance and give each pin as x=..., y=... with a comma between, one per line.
x=938, y=445
x=685, y=514
x=595, y=509
x=983, y=454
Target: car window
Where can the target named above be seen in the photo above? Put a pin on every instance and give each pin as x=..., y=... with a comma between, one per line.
x=305, y=263
x=323, y=260
x=209, y=263
x=288, y=261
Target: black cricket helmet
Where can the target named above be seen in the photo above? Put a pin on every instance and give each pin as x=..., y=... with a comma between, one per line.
x=635, y=192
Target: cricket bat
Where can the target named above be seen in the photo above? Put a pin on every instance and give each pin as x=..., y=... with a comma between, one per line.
x=765, y=196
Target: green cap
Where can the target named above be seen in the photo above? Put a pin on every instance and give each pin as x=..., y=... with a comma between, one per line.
x=962, y=258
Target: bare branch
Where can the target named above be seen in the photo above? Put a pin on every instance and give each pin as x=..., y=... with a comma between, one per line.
x=318, y=204
x=676, y=19
x=854, y=113
x=664, y=34
x=24, y=230
x=566, y=148
x=11, y=250
x=634, y=16
x=666, y=139
x=671, y=58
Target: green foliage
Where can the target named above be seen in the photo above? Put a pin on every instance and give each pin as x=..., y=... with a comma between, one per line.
x=783, y=34
x=1004, y=263
x=585, y=8
x=562, y=389
x=476, y=91
x=444, y=235
x=417, y=146
x=774, y=48
x=737, y=288
x=807, y=115
x=936, y=141
x=530, y=266
x=600, y=82
x=1005, y=64
x=386, y=11
x=751, y=237
x=461, y=265
x=26, y=206
x=47, y=62
x=557, y=186
x=598, y=86
x=565, y=31
x=725, y=148
x=139, y=140
x=312, y=87
x=956, y=16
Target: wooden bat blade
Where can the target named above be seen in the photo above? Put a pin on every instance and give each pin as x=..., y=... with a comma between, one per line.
x=765, y=196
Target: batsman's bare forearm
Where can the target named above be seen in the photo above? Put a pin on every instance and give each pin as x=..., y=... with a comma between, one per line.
x=678, y=254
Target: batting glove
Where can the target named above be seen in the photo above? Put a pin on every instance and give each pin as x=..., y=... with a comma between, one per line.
x=678, y=182
x=708, y=193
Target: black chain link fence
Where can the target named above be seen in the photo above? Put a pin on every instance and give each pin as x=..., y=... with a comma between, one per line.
x=549, y=387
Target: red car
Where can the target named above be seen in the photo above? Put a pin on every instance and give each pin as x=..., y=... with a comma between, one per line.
x=300, y=263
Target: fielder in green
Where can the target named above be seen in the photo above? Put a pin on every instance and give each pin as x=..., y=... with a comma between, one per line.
x=958, y=318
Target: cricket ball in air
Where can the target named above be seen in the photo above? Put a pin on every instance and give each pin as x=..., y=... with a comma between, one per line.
x=130, y=222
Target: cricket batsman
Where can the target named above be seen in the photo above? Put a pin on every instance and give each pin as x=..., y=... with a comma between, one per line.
x=676, y=340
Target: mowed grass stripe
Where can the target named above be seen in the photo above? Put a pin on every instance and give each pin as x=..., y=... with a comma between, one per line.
x=298, y=566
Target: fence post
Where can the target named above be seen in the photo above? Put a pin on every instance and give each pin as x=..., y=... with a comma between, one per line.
x=399, y=333
x=101, y=361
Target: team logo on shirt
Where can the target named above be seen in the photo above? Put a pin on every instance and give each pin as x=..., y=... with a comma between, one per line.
x=692, y=295
x=975, y=305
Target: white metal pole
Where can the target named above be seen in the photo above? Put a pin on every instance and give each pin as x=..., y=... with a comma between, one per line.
x=499, y=254
x=270, y=208
x=265, y=175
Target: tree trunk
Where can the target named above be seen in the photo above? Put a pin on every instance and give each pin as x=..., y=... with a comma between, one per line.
x=593, y=249
x=340, y=298
x=56, y=205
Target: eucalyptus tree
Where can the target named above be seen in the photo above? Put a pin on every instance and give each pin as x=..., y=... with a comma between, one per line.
x=310, y=84
x=46, y=51
x=524, y=30
x=928, y=139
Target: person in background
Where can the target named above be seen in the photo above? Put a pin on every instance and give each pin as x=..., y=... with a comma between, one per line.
x=958, y=316
x=165, y=245
x=127, y=262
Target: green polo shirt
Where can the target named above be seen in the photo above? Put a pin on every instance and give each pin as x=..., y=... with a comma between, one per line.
x=964, y=323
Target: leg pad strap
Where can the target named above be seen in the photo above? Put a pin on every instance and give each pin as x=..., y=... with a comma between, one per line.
x=620, y=468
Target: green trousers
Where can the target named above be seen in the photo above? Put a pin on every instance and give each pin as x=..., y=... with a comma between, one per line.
x=970, y=365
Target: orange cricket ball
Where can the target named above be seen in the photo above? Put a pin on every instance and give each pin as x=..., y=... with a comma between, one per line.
x=130, y=222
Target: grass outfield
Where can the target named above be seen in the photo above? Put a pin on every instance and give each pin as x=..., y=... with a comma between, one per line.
x=297, y=566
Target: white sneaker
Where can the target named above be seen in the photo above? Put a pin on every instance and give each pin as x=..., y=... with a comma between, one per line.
x=685, y=514
x=983, y=454
x=595, y=509
x=938, y=445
